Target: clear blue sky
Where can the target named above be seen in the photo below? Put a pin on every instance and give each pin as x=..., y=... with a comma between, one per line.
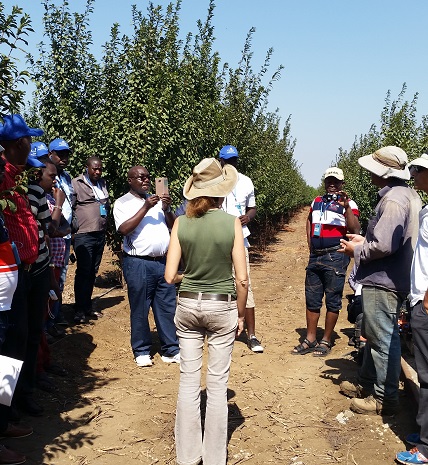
x=340, y=58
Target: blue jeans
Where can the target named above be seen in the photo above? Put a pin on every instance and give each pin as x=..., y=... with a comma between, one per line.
x=147, y=288
x=380, y=370
x=217, y=321
x=89, y=248
x=325, y=274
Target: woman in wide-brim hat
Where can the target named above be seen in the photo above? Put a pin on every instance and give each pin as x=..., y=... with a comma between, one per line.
x=211, y=305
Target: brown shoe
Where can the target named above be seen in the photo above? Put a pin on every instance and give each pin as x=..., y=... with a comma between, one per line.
x=353, y=390
x=372, y=406
x=9, y=457
x=16, y=431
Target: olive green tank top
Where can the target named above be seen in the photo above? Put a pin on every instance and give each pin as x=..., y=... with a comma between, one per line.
x=206, y=248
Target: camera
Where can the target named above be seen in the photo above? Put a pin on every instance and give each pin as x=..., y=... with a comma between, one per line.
x=331, y=197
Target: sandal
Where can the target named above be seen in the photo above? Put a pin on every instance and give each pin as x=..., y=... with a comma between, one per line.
x=322, y=349
x=305, y=347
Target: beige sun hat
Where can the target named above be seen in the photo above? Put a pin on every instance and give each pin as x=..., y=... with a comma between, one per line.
x=334, y=172
x=387, y=162
x=209, y=179
x=421, y=161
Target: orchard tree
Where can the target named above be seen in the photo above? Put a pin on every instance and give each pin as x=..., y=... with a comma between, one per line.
x=14, y=30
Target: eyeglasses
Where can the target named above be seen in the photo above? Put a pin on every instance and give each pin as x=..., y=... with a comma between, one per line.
x=141, y=177
x=418, y=169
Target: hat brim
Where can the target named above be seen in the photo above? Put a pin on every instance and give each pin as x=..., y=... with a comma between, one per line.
x=385, y=172
x=32, y=161
x=33, y=132
x=228, y=156
x=223, y=188
x=419, y=162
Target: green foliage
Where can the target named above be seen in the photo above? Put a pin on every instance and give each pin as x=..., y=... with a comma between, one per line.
x=398, y=126
x=6, y=196
x=166, y=103
x=14, y=29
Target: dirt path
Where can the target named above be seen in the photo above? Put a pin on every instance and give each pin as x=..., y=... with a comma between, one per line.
x=282, y=408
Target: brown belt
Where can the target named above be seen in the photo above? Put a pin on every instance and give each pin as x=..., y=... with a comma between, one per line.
x=216, y=297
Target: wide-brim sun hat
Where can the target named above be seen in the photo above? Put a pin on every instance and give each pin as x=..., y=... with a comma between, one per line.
x=209, y=179
x=387, y=162
x=421, y=161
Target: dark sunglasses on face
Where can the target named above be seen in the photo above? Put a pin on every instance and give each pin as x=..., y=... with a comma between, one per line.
x=141, y=178
x=418, y=169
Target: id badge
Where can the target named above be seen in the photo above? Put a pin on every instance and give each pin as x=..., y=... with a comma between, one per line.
x=103, y=210
x=317, y=229
x=15, y=253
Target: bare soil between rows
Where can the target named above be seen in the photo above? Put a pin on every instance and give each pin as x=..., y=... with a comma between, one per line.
x=282, y=408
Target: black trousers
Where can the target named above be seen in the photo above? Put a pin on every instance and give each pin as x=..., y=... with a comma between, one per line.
x=89, y=248
x=419, y=322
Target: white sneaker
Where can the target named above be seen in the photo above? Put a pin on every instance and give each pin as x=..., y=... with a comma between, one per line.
x=254, y=344
x=171, y=358
x=143, y=360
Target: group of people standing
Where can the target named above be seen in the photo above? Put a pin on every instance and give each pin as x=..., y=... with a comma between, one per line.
x=390, y=266
x=35, y=231
x=201, y=249
x=208, y=252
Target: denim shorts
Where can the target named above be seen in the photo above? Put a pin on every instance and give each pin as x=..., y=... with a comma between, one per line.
x=325, y=274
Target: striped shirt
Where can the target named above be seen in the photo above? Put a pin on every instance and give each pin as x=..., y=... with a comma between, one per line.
x=40, y=209
x=331, y=221
x=21, y=225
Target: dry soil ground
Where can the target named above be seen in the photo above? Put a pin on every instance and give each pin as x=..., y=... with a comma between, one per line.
x=282, y=408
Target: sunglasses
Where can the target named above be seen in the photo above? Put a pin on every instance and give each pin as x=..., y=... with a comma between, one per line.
x=418, y=169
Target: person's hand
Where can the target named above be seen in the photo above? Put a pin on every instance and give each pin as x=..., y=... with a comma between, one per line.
x=348, y=246
x=151, y=201
x=244, y=219
x=343, y=199
x=240, y=327
x=59, y=196
x=425, y=301
x=166, y=201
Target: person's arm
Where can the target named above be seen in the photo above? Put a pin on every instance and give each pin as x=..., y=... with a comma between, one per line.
x=308, y=229
x=241, y=276
x=56, y=214
x=387, y=234
x=63, y=228
x=166, y=207
x=250, y=214
x=173, y=257
x=352, y=222
x=129, y=225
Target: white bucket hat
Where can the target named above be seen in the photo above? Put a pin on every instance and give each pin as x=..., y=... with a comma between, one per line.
x=421, y=161
x=387, y=162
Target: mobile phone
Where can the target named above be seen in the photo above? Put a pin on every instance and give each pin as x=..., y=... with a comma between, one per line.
x=161, y=186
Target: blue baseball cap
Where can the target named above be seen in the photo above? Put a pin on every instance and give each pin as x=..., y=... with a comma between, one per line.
x=38, y=149
x=58, y=145
x=228, y=151
x=14, y=127
x=33, y=161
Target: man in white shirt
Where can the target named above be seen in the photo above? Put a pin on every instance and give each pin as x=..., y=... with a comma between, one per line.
x=419, y=320
x=241, y=202
x=145, y=220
